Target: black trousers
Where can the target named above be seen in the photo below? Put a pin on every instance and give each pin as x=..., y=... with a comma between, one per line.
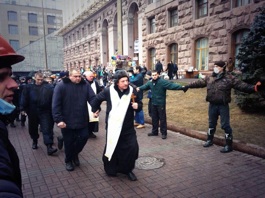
x=45, y=120
x=222, y=110
x=159, y=115
x=74, y=142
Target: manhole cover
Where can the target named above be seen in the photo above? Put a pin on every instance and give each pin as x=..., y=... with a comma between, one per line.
x=148, y=163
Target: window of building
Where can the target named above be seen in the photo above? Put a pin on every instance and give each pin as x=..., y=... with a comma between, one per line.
x=152, y=25
x=88, y=29
x=69, y=39
x=83, y=32
x=237, y=38
x=51, y=30
x=90, y=63
x=84, y=64
x=173, y=18
x=152, y=58
x=84, y=47
x=73, y=38
x=201, y=8
x=202, y=54
x=12, y=16
x=238, y=3
x=32, y=18
x=13, y=29
x=31, y=42
x=96, y=44
x=88, y=46
x=173, y=52
x=14, y=44
x=33, y=31
x=95, y=25
x=77, y=35
x=51, y=20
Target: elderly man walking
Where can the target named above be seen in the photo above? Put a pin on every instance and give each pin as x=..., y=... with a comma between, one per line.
x=93, y=123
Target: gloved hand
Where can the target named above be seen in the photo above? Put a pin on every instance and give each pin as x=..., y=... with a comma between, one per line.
x=185, y=88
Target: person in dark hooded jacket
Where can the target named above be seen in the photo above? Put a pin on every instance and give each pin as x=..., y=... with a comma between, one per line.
x=70, y=112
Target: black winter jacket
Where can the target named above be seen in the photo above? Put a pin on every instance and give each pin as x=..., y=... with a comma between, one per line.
x=219, y=87
x=69, y=103
x=36, y=97
x=10, y=176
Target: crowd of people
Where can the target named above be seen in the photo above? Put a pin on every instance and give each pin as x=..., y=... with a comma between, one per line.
x=72, y=101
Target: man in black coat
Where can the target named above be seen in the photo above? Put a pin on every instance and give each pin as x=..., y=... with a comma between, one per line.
x=69, y=109
x=36, y=102
x=159, y=67
x=10, y=175
x=170, y=70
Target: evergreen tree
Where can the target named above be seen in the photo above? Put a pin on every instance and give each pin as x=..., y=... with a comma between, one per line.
x=252, y=63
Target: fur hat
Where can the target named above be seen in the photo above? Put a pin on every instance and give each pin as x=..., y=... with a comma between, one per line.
x=220, y=63
x=120, y=74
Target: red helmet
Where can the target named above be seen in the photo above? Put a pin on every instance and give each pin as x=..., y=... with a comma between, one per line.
x=8, y=55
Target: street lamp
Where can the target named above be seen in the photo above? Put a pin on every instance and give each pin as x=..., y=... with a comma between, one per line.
x=44, y=38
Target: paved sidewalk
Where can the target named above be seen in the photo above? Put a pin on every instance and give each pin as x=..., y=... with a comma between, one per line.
x=189, y=170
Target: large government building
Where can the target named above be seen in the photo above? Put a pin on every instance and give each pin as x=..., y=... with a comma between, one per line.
x=192, y=33
x=23, y=23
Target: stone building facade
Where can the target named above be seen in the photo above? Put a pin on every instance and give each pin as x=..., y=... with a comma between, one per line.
x=191, y=33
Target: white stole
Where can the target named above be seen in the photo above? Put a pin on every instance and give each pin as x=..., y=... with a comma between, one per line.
x=89, y=108
x=93, y=86
x=116, y=118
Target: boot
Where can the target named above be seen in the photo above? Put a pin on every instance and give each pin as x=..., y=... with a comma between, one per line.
x=76, y=161
x=69, y=166
x=35, y=144
x=51, y=150
x=228, y=144
x=210, y=135
x=131, y=176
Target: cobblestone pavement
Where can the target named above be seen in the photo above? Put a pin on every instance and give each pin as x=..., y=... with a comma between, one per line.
x=188, y=169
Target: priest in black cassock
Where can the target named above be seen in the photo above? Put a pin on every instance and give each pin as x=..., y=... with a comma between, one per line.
x=121, y=149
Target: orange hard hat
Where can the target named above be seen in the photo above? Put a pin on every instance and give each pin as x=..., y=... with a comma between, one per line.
x=8, y=55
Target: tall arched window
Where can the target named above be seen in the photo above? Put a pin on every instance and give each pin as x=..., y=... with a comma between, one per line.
x=236, y=42
x=202, y=54
x=173, y=52
x=152, y=58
